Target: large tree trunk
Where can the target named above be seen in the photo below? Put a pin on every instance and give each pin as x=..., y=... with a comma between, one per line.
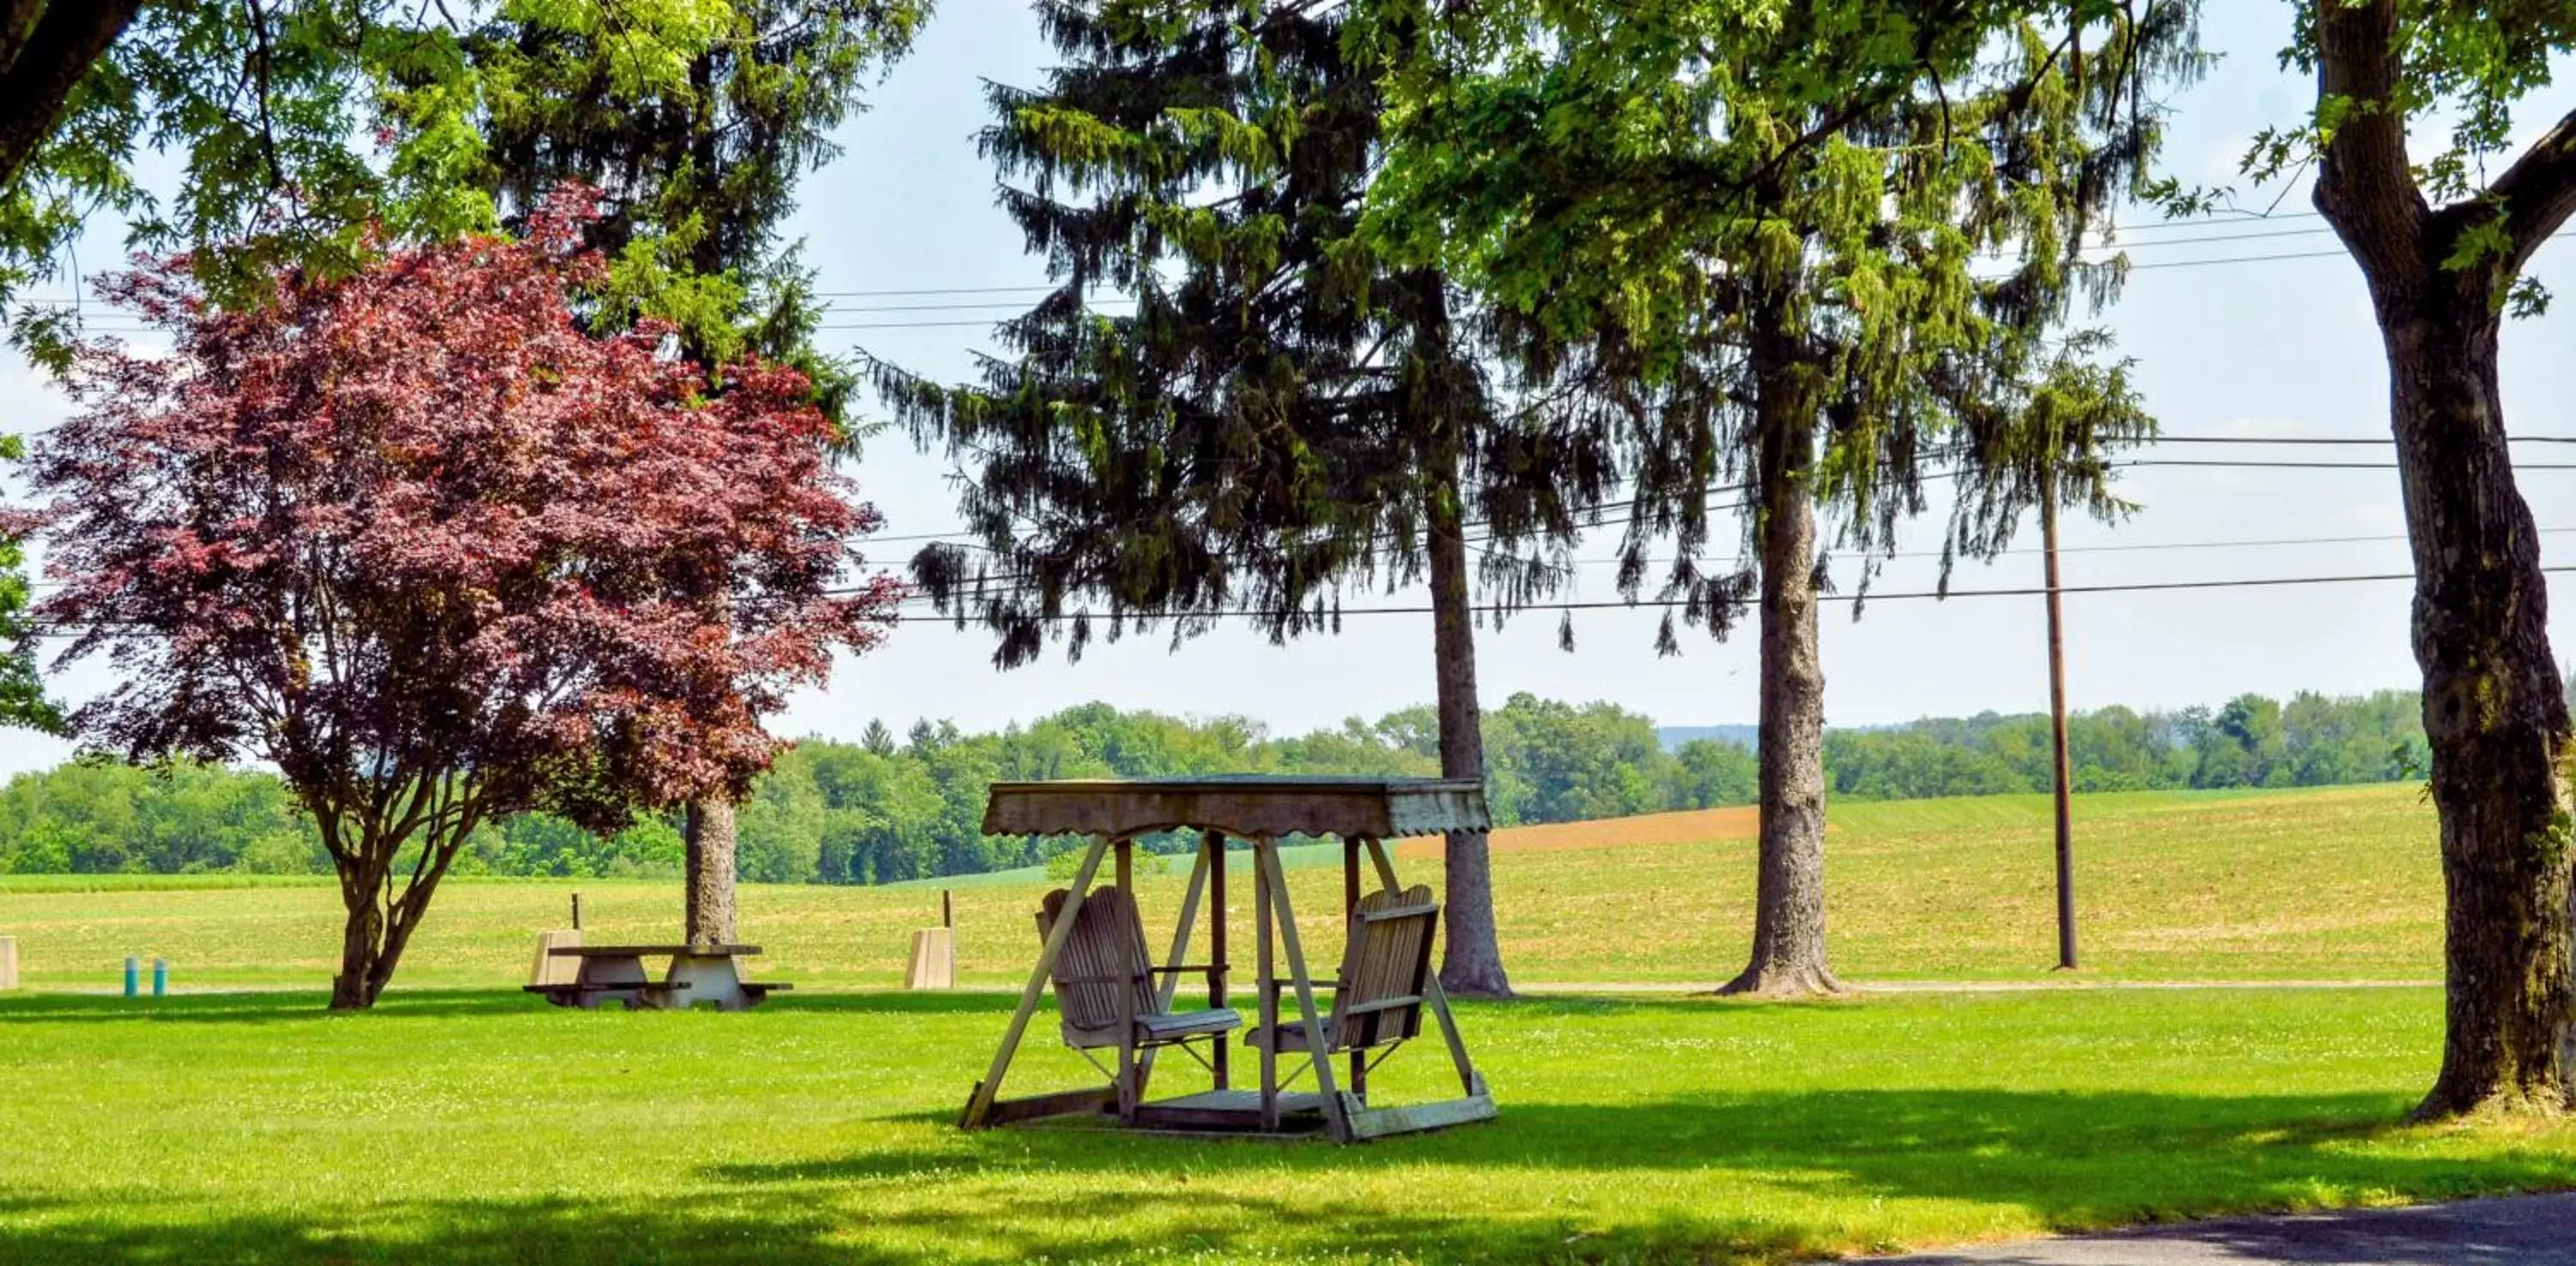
x=710, y=839
x=2496, y=716
x=2495, y=712
x=375, y=933
x=361, y=955
x=1789, y=895
x=1471, y=963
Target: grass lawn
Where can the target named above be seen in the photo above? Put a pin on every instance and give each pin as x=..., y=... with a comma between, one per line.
x=485, y=1127
x=2341, y=883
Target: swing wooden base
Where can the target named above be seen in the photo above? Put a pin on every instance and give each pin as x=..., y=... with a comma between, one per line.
x=1228, y=1112
x=1113, y=997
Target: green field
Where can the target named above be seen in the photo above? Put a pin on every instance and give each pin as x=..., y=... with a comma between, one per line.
x=483, y=1127
x=2337, y=884
x=466, y=1122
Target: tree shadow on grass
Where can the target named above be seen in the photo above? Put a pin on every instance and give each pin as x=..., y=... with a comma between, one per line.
x=1736, y=1179
x=2065, y=1160
x=265, y=1007
x=469, y=1233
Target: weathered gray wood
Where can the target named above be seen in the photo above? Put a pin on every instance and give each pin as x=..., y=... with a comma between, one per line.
x=647, y=951
x=933, y=961
x=1266, y=855
x=1213, y=843
x=980, y=1103
x=1248, y=807
x=1063, y=1103
x=1231, y=1111
x=1372, y=1123
x=1467, y=1079
x=1127, y=1084
x=1268, y=987
x=1171, y=986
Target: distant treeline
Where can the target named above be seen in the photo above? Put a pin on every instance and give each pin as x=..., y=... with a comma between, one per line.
x=2251, y=741
x=887, y=808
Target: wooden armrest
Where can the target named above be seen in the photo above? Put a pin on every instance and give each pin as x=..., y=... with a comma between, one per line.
x=1383, y=1004
x=1099, y=980
x=1179, y=969
x=1399, y=912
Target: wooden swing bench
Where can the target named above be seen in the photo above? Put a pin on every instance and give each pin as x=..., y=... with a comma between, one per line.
x=1112, y=996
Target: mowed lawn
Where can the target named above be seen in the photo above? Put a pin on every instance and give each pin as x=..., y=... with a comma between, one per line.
x=486, y=1128
x=2334, y=884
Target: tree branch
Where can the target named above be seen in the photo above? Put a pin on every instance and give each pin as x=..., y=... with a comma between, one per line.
x=2538, y=192
x=67, y=41
x=2366, y=188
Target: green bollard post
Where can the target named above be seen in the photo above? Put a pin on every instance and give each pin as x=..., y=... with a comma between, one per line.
x=133, y=972
x=160, y=978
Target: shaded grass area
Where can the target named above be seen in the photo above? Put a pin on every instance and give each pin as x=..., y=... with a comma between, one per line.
x=482, y=1127
x=2340, y=883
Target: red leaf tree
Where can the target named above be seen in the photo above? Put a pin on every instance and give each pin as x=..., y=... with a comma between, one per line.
x=417, y=540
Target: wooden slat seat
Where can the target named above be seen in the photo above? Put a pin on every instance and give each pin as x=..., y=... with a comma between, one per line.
x=1377, y=999
x=1104, y=958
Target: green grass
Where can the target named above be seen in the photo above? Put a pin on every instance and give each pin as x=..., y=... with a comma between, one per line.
x=2336, y=884
x=484, y=1127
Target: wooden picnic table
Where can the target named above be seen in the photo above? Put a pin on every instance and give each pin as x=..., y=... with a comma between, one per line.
x=699, y=975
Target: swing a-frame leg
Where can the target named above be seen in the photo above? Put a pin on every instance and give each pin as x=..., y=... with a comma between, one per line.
x=982, y=1107
x=1475, y=1103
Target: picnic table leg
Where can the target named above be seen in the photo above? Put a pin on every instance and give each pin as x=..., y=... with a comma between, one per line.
x=1335, y=1119
x=980, y=1104
x=710, y=978
x=620, y=977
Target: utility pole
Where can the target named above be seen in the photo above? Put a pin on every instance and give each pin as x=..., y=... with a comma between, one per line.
x=2057, y=734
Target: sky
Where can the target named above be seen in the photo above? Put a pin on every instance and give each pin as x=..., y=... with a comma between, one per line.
x=2280, y=348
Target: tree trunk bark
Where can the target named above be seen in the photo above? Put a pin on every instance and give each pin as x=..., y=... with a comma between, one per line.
x=361, y=942
x=710, y=839
x=1789, y=896
x=2495, y=714
x=374, y=935
x=1471, y=961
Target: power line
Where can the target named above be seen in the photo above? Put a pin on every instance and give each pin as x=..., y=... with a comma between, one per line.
x=1490, y=608
x=2238, y=220
x=2139, y=547
x=2304, y=465
x=2382, y=439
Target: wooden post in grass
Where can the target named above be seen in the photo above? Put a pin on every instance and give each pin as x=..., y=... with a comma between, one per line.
x=2057, y=735
x=8, y=963
x=552, y=968
x=933, y=964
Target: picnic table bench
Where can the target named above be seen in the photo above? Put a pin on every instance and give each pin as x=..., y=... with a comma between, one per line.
x=698, y=975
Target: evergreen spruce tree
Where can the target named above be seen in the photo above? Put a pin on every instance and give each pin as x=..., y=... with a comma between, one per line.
x=696, y=181
x=1797, y=258
x=1282, y=416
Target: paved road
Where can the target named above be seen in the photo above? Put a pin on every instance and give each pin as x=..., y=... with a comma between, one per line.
x=2520, y=1231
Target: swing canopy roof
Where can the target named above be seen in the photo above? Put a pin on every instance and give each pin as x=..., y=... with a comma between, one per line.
x=1245, y=806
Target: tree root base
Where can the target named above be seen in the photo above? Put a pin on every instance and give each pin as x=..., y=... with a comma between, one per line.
x=2519, y=1103
x=1768, y=981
